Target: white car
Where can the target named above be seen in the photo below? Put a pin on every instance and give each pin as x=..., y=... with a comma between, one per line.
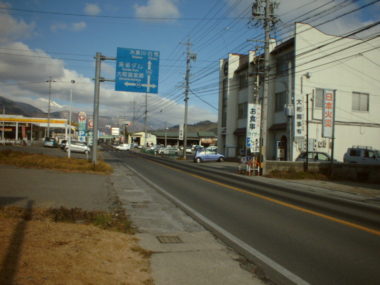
x=124, y=146
x=76, y=146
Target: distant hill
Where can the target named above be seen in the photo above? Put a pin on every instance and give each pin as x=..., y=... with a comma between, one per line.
x=18, y=108
x=27, y=110
x=203, y=126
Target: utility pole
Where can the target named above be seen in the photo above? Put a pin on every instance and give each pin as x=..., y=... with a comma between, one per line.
x=189, y=56
x=134, y=115
x=98, y=58
x=263, y=11
x=49, y=103
x=70, y=115
x=2, y=134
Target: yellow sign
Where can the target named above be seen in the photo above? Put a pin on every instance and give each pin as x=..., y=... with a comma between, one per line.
x=33, y=120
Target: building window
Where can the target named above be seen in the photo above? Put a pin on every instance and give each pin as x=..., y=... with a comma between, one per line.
x=243, y=80
x=279, y=101
x=360, y=101
x=318, y=102
x=224, y=102
x=242, y=111
x=282, y=64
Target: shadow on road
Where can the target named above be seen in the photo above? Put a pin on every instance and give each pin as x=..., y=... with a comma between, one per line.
x=9, y=265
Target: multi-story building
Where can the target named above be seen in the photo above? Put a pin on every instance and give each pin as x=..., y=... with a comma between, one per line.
x=303, y=70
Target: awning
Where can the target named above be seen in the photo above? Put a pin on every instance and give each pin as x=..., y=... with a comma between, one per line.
x=240, y=132
x=278, y=127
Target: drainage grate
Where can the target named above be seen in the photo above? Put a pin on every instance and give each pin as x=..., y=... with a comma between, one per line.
x=169, y=239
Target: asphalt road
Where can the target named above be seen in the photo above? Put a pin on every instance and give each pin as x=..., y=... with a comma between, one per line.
x=316, y=248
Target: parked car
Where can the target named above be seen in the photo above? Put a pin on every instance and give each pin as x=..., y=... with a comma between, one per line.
x=314, y=156
x=124, y=146
x=77, y=146
x=188, y=149
x=202, y=155
x=362, y=155
x=50, y=142
x=169, y=150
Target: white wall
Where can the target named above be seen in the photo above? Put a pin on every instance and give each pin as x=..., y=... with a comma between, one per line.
x=342, y=64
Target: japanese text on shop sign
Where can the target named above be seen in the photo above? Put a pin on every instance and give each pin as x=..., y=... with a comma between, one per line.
x=253, y=127
x=328, y=114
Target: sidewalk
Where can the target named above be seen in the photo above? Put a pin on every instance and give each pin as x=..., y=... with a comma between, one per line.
x=183, y=251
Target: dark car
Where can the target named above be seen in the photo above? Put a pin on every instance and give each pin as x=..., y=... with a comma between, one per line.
x=50, y=142
x=63, y=144
x=314, y=156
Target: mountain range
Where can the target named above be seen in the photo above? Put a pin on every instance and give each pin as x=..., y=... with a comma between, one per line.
x=8, y=106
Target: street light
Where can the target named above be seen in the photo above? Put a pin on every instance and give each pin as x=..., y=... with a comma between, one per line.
x=71, y=101
x=48, y=121
x=166, y=134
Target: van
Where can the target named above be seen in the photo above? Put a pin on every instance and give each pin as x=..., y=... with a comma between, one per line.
x=362, y=155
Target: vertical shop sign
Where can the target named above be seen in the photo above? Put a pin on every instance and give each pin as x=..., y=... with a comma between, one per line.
x=328, y=114
x=82, y=126
x=253, y=127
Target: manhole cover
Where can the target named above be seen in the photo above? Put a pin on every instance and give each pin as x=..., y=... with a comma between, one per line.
x=169, y=239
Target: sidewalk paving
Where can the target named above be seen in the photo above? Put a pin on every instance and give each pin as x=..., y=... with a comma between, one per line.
x=183, y=251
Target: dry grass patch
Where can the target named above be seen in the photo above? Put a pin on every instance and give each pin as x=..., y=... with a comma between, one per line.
x=32, y=160
x=34, y=249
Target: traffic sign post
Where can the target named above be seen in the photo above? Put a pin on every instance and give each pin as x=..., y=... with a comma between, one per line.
x=136, y=71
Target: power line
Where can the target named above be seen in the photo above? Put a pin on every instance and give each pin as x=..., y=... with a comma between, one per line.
x=113, y=16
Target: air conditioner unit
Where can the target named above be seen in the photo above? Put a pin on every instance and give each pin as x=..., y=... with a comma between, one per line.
x=289, y=110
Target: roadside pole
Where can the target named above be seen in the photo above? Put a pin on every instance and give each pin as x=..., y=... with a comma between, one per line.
x=96, y=106
x=49, y=106
x=189, y=56
x=263, y=11
x=70, y=115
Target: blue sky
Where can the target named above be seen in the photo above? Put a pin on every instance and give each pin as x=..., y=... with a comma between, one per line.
x=42, y=38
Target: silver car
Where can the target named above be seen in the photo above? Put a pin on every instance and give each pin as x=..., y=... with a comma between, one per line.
x=77, y=146
x=362, y=155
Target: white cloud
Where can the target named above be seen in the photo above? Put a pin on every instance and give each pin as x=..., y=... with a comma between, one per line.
x=92, y=9
x=158, y=9
x=58, y=27
x=24, y=72
x=79, y=26
x=21, y=63
x=108, y=69
x=75, y=27
x=12, y=29
x=19, y=81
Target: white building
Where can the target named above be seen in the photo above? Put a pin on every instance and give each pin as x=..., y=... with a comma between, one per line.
x=303, y=67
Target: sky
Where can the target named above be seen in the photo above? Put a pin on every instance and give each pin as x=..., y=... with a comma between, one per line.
x=57, y=40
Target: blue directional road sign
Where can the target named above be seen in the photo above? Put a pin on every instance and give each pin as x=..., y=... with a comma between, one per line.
x=137, y=70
